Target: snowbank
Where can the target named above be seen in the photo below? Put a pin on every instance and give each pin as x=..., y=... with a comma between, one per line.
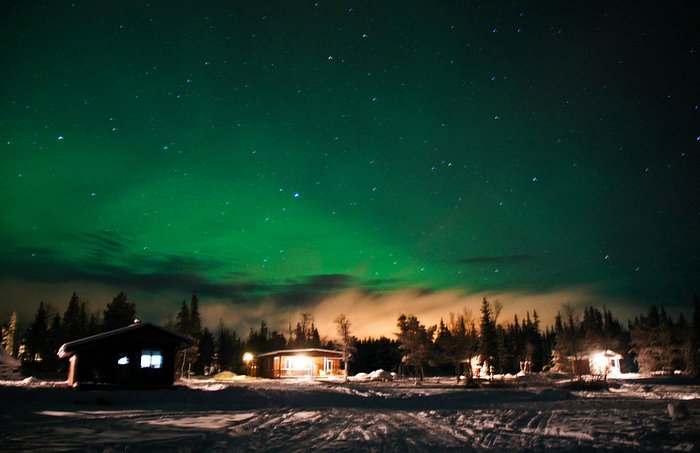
x=377, y=375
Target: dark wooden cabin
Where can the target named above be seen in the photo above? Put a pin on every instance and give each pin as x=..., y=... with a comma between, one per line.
x=141, y=354
x=312, y=363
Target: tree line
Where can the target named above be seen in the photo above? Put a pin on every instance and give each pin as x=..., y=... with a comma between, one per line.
x=653, y=342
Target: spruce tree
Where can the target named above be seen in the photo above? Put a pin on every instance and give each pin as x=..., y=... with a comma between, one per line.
x=205, y=360
x=182, y=320
x=10, y=335
x=75, y=320
x=118, y=313
x=36, y=342
x=416, y=341
x=488, y=341
x=195, y=322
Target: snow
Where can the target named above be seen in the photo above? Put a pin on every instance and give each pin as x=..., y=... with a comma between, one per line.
x=370, y=412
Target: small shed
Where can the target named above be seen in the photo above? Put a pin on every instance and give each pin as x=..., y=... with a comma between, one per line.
x=141, y=354
x=604, y=362
x=312, y=363
x=591, y=362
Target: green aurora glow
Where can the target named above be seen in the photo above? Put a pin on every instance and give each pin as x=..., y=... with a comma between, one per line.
x=257, y=149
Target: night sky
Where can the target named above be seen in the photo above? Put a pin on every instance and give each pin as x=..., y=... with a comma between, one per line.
x=370, y=158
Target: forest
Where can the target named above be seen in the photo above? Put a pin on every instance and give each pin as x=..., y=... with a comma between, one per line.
x=653, y=342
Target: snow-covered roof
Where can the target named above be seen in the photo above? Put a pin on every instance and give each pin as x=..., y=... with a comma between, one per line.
x=302, y=351
x=70, y=348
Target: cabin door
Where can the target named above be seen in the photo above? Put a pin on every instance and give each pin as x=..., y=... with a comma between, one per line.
x=328, y=366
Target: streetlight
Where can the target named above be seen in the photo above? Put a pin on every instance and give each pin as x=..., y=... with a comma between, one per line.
x=247, y=358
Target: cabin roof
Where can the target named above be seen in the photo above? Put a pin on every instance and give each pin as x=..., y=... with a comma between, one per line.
x=72, y=347
x=301, y=351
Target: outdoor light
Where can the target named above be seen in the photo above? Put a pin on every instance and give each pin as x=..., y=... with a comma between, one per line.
x=301, y=362
x=247, y=357
x=600, y=362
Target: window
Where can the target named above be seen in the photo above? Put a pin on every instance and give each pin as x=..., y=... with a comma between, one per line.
x=151, y=358
x=123, y=359
x=297, y=362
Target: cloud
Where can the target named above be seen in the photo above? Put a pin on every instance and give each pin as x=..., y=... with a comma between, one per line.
x=373, y=314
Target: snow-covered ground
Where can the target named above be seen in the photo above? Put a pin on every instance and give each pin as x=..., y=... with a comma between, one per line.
x=360, y=415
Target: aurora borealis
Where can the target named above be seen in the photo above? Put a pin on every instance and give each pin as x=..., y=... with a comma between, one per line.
x=272, y=156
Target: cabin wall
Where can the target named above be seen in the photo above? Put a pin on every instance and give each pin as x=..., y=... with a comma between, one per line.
x=101, y=365
x=283, y=366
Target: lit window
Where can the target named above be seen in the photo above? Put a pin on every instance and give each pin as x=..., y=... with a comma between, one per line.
x=298, y=362
x=123, y=360
x=151, y=358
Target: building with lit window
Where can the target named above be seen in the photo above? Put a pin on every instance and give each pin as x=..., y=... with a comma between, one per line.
x=141, y=354
x=603, y=363
x=297, y=363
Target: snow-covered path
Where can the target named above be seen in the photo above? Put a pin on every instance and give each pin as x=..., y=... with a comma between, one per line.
x=275, y=416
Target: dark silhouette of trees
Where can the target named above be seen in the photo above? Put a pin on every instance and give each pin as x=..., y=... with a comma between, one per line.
x=189, y=323
x=456, y=342
x=75, y=320
x=36, y=341
x=264, y=340
x=346, y=339
x=118, y=313
x=373, y=354
x=207, y=352
x=305, y=334
x=10, y=335
x=568, y=341
x=42, y=340
x=416, y=342
x=182, y=319
x=488, y=335
x=229, y=350
x=658, y=342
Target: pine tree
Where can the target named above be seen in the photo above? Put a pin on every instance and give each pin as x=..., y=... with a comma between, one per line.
x=10, y=334
x=416, y=341
x=443, y=344
x=37, y=336
x=305, y=334
x=188, y=322
x=118, y=313
x=373, y=354
x=55, y=340
x=229, y=350
x=314, y=339
x=488, y=341
x=206, y=353
x=75, y=321
x=258, y=339
x=195, y=322
x=182, y=320
x=568, y=341
x=42, y=339
x=657, y=342
x=299, y=338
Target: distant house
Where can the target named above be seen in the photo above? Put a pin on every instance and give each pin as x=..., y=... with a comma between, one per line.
x=141, y=354
x=592, y=362
x=313, y=363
